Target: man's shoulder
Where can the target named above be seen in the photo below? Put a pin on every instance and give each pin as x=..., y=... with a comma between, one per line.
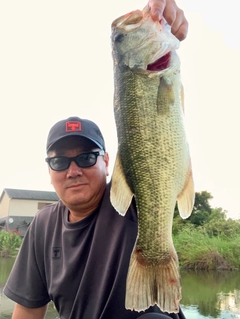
x=50, y=212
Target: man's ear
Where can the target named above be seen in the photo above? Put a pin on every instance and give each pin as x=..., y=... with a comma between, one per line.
x=106, y=160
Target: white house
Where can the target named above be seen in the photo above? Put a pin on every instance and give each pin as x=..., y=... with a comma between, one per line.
x=19, y=206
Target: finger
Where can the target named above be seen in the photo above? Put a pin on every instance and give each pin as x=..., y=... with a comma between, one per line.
x=182, y=31
x=170, y=12
x=180, y=26
x=157, y=8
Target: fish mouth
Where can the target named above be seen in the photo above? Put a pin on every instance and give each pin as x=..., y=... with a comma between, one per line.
x=160, y=64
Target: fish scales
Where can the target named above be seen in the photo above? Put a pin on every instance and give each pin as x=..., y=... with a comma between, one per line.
x=142, y=122
x=152, y=164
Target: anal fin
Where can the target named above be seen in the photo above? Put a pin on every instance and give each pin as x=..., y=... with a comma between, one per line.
x=187, y=197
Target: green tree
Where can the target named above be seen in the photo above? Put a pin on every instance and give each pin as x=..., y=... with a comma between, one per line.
x=218, y=225
x=201, y=209
x=202, y=202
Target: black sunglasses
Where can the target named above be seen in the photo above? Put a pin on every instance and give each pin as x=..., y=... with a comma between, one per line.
x=61, y=163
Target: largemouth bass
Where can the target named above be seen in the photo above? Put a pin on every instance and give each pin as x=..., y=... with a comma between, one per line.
x=153, y=162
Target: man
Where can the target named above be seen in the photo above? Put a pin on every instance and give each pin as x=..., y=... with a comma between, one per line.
x=76, y=252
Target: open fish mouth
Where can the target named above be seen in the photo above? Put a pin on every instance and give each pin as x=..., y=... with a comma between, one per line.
x=160, y=64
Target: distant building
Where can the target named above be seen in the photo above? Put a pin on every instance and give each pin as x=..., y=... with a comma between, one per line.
x=19, y=206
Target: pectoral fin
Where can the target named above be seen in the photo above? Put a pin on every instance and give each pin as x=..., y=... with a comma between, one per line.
x=120, y=193
x=186, y=197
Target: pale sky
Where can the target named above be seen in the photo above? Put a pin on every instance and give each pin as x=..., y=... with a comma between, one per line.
x=55, y=62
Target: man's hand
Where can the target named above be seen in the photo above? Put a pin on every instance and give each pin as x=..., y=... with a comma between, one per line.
x=173, y=15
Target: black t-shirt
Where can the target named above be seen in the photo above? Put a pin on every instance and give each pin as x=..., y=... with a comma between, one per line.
x=81, y=266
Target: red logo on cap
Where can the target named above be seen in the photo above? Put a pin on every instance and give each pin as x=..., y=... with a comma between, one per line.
x=73, y=126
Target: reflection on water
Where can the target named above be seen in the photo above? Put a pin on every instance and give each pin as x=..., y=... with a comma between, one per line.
x=229, y=301
x=212, y=294
x=215, y=294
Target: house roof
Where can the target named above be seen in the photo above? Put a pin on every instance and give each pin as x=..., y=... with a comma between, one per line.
x=29, y=194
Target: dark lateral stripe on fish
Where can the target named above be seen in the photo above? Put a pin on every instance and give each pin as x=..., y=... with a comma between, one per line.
x=160, y=64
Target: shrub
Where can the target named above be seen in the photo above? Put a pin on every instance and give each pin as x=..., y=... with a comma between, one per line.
x=9, y=243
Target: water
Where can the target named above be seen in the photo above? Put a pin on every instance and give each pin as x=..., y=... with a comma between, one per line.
x=210, y=295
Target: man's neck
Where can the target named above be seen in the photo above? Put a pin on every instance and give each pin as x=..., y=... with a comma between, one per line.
x=74, y=217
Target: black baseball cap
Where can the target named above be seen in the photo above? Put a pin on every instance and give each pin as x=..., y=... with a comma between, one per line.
x=75, y=126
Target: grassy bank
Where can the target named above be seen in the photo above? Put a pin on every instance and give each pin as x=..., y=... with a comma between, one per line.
x=198, y=250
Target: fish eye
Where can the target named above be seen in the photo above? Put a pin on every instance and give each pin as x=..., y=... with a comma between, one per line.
x=119, y=37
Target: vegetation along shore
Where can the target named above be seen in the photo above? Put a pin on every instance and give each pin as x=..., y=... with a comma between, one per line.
x=206, y=240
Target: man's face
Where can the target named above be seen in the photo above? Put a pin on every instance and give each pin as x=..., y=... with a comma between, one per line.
x=80, y=189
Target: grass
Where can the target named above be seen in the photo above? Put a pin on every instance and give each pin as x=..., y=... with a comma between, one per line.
x=197, y=250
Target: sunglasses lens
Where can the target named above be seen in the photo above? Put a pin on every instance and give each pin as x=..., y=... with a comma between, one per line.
x=86, y=160
x=59, y=163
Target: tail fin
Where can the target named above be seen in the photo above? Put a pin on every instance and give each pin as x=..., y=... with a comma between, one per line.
x=149, y=284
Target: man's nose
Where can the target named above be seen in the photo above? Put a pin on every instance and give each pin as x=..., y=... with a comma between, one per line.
x=74, y=169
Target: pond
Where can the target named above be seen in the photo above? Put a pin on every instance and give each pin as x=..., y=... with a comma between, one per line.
x=212, y=294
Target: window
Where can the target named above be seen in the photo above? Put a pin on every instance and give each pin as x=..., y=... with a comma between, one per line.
x=41, y=205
